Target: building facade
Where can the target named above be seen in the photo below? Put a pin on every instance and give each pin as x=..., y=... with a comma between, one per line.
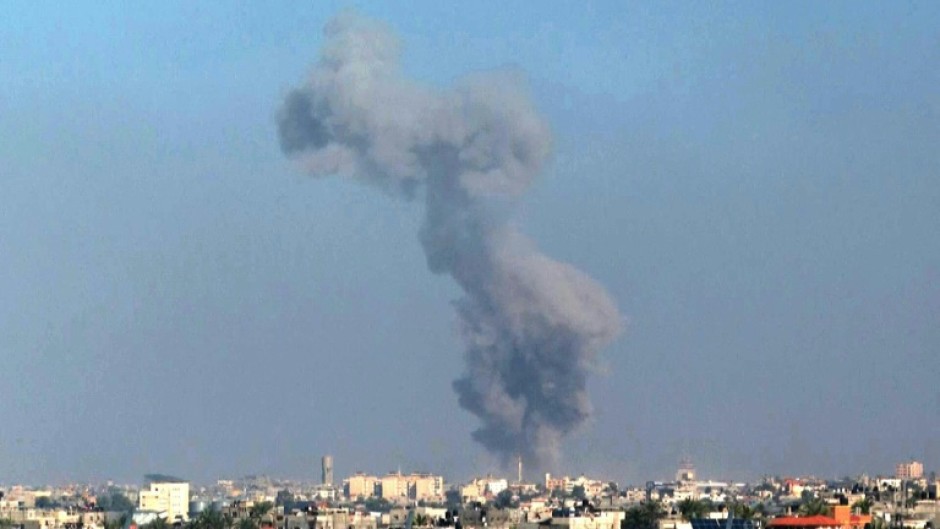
x=909, y=470
x=171, y=498
x=326, y=470
x=361, y=485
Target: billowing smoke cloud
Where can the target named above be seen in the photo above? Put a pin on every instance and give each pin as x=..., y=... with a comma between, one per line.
x=532, y=325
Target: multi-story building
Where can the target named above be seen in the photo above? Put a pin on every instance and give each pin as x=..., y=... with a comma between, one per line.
x=481, y=488
x=398, y=486
x=909, y=470
x=361, y=485
x=562, y=483
x=169, y=497
x=592, y=487
x=426, y=487
x=394, y=486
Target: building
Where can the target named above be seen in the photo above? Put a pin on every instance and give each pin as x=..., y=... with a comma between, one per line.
x=482, y=488
x=591, y=487
x=394, y=486
x=397, y=486
x=361, y=485
x=686, y=470
x=909, y=470
x=343, y=519
x=326, y=470
x=842, y=518
x=563, y=483
x=572, y=520
x=323, y=492
x=169, y=498
x=426, y=487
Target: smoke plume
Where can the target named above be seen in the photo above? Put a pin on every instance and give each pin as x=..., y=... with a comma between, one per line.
x=532, y=325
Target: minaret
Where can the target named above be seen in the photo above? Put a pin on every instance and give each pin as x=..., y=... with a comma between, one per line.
x=519, y=477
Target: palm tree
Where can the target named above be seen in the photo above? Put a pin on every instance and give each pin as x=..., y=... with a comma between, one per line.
x=633, y=519
x=643, y=516
x=692, y=509
x=760, y=513
x=158, y=523
x=653, y=510
x=742, y=511
x=259, y=509
x=247, y=523
x=863, y=506
x=815, y=507
x=114, y=523
x=212, y=519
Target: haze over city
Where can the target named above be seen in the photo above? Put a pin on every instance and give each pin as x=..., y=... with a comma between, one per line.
x=730, y=212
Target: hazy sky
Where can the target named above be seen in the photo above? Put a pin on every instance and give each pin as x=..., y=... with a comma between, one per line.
x=756, y=184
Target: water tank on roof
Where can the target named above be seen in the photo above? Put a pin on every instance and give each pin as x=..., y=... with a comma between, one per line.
x=196, y=507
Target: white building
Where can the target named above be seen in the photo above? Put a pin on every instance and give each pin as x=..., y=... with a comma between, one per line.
x=171, y=498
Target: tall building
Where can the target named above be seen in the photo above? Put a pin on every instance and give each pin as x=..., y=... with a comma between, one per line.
x=169, y=497
x=326, y=470
x=909, y=470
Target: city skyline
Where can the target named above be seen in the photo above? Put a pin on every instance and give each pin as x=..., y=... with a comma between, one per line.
x=685, y=468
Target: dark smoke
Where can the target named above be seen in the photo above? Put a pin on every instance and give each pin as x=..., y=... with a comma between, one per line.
x=532, y=325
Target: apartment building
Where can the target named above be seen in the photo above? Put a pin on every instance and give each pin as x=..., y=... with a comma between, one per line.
x=169, y=497
x=909, y=470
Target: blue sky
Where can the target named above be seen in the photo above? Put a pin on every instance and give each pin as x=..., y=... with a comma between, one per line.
x=756, y=184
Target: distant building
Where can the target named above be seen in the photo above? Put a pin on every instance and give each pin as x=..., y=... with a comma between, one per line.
x=361, y=485
x=686, y=470
x=324, y=492
x=909, y=470
x=426, y=487
x=394, y=486
x=326, y=470
x=565, y=519
x=326, y=519
x=592, y=487
x=169, y=497
x=398, y=486
x=842, y=518
x=481, y=488
x=553, y=483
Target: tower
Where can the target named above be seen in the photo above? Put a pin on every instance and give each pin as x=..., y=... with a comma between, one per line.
x=686, y=470
x=326, y=470
x=519, y=474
